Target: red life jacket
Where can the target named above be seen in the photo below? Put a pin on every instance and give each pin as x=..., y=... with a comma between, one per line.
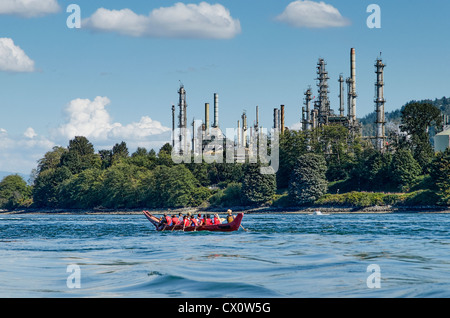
x=168, y=220
x=186, y=222
x=216, y=221
x=194, y=222
x=175, y=220
x=208, y=222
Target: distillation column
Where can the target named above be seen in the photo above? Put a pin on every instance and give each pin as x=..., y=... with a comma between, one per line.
x=353, y=83
x=182, y=125
x=380, y=138
x=341, y=96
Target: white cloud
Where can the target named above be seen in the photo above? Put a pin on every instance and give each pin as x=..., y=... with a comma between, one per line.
x=180, y=20
x=92, y=120
x=13, y=58
x=296, y=126
x=19, y=154
x=29, y=8
x=310, y=14
x=30, y=133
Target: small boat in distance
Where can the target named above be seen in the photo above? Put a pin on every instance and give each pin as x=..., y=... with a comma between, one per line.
x=224, y=227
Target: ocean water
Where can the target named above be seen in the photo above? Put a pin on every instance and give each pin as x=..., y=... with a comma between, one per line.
x=280, y=255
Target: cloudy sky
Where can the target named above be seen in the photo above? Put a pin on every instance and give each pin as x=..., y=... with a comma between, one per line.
x=115, y=78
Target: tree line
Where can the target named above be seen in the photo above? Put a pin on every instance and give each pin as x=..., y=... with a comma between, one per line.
x=313, y=167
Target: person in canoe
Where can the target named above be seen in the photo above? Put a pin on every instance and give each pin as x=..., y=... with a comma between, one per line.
x=230, y=216
x=186, y=221
x=194, y=221
x=208, y=220
x=216, y=219
x=166, y=220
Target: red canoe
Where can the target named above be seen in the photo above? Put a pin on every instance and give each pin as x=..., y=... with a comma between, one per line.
x=225, y=227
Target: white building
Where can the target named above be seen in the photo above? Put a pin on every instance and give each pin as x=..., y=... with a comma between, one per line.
x=442, y=141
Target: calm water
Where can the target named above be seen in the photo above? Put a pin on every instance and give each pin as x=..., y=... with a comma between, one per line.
x=281, y=255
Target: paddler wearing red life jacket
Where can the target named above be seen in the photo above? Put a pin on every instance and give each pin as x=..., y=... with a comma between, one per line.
x=186, y=221
x=216, y=219
x=193, y=221
x=175, y=219
x=166, y=220
x=208, y=220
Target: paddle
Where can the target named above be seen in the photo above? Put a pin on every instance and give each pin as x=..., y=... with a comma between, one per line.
x=243, y=228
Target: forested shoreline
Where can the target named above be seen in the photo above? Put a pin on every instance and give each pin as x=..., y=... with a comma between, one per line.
x=326, y=167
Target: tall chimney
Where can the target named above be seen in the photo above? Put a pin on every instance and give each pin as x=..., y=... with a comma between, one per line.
x=308, y=110
x=275, y=119
x=282, y=118
x=379, y=106
x=238, y=133
x=353, y=77
x=173, y=125
x=207, y=118
x=341, y=96
x=216, y=110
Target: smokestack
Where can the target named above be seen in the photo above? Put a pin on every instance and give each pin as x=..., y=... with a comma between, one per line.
x=341, y=96
x=379, y=102
x=257, y=117
x=238, y=133
x=282, y=118
x=183, y=119
x=275, y=119
x=353, y=77
x=244, y=129
x=308, y=99
x=216, y=110
x=173, y=125
x=207, y=118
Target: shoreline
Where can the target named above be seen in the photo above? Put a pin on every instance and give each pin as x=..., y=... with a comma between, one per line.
x=247, y=210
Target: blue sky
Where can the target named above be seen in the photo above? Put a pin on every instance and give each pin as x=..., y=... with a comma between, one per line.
x=116, y=77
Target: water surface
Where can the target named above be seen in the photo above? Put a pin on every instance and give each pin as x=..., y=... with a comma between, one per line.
x=280, y=255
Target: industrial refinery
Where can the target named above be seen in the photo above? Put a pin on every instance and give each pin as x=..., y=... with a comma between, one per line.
x=313, y=113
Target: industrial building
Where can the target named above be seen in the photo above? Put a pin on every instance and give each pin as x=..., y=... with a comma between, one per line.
x=315, y=113
x=322, y=114
x=442, y=140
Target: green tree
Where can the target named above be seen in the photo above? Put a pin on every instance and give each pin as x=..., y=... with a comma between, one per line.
x=80, y=155
x=14, y=192
x=120, y=189
x=83, y=191
x=119, y=152
x=440, y=174
x=51, y=159
x=417, y=119
x=176, y=187
x=371, y=172
x=47, y=186
x=257, y=188
x=292, y=144
x=165, y=156
x=404, y=169
x=308, y=181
